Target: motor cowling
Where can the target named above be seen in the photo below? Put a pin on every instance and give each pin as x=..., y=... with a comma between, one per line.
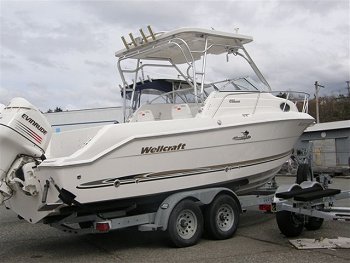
x=24, y=130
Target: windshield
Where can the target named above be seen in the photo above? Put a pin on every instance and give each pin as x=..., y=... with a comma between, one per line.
x=239, y=84
x=176, y=91
x=177, y=96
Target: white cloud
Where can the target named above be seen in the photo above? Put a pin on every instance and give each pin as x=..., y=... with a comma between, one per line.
x=61, y=53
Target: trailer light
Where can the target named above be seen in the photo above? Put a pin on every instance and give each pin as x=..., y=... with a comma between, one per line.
x=103, y=226
x=265, y=207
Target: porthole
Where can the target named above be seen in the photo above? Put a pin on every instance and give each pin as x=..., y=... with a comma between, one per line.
x=285, y=107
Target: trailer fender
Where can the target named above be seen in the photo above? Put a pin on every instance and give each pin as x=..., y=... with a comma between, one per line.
x=308, y=184
x=202, y=196
x=284, y=188
x=287, y=188
x=290, y=187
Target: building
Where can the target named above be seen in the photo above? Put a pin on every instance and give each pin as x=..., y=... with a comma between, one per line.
x=330, y=145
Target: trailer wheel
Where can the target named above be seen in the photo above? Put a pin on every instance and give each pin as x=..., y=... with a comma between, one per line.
x=185, y=224
x=290, y=224
x=314, y=223
x=222, y=217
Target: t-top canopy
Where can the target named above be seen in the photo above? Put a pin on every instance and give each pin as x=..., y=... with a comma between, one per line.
x=172, y=45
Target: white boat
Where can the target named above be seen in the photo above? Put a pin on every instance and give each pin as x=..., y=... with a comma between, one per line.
x=179, y=134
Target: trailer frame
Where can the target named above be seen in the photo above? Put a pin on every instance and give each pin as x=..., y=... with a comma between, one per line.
x=267, y=199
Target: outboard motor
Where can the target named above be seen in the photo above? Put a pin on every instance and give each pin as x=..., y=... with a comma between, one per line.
x=24, y=137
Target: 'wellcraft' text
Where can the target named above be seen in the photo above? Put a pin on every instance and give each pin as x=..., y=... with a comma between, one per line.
x=162, y=148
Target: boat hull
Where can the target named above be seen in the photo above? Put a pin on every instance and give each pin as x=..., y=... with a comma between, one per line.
x=220, y=155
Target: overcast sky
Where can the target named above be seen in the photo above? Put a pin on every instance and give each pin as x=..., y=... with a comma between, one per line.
x=61, y=53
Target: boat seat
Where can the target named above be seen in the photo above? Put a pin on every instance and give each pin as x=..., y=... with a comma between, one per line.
x=181, y=111
x=144, y=115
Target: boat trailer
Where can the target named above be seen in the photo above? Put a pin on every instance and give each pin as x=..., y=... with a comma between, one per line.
x=183, y=214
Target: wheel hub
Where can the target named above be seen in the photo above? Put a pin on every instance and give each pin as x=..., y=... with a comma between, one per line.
x=225, y=217
x=222, y=217
x=183, y=223
x=186, y=225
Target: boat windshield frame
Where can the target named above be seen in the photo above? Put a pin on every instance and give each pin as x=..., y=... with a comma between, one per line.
x=183, y=49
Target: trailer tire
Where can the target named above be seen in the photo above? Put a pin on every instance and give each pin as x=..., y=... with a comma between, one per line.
x=289, y=223
x=303, y=173
x=221, y=217
x=314, y=223
x=185, y=225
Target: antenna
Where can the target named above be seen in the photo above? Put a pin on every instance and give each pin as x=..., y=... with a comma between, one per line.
x=317, y=87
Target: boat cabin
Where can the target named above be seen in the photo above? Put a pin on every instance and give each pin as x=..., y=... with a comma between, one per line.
x=184, y=53
x=167, y=99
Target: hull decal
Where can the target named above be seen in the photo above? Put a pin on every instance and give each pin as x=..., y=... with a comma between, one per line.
x=147, y=177
x=162, y=148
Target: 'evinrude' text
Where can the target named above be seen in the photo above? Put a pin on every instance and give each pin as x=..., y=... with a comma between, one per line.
x=34, y=123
